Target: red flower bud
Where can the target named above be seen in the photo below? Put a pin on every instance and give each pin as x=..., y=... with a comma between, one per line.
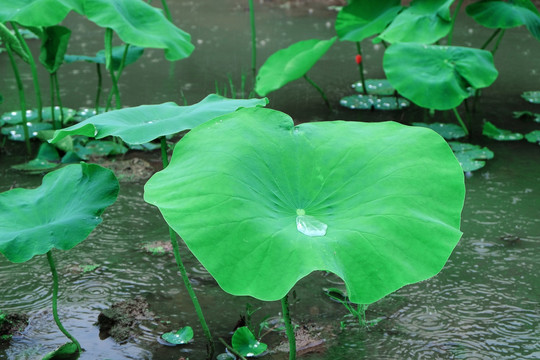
x=358, y=59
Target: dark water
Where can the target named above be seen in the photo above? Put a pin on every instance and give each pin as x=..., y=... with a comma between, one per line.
x=485, y=304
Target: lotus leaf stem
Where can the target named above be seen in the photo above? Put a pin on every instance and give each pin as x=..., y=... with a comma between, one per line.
x=361, y=67
x=120, y=70
x=182, y=268
x=53, y=117
x=288, y=327
x=497, y=43
x=312, y=83
x=232, y=350
x=33, y=69
x=253, y=41
x=456, y=12
x=22, y=99
x=110, y=68
x=166, y=9
x=55, y=302
x=99, y=86
x=460, y=121
x=490, y=38
x=57, y=87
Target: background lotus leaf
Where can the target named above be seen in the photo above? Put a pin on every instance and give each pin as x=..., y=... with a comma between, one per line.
x=437, y=77
x=425, y=22
x=532, y=96
x=375, y=87
x=58, y=214
x=242, y=189
x=362, y=19
x=504, y=15
x=133, y=54
x=447, y=131
x=289, y=64
x=141, y=124
x=370, y=102
x=493, y=132
x=471, y=157
x=533, y=136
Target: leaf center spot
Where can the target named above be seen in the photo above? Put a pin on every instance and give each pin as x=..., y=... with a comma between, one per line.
x=300, y=212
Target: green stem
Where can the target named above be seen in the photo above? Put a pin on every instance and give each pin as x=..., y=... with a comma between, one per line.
x=490, y=38
x=319, y=90
x=456, y=12
x=166, y=9
x=497, y=43
x=33, y=69
x=253, y=41
x=119, y=74
x=288, y=327
x=99, y=86
x=176, y=251
x=51, y=87
x=461, y=121
x=232, y=350
x=361, y=68
x=110, y=68
x=22, y=99
x=55, y=302
x=57, y=87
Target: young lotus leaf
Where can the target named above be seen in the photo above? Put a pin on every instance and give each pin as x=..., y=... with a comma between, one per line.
x=245, y=343
x=10, y=39
x=437, y=77
x=527, y=115
x=369, y=102
x=262, y=203
x=133, y=54
x=424, y=22
x=447, y=131
x=37, y=12
x=362, y=19
x=15, y=117
x=67, y=351
x=58, y=214
x=532, y=96
x=375, y=87
x=492, y=132
x=533, y=136
x=141, y=124
x=289, y=64
x=46, y=159
x=16, y=133
x=498, y=14
x=471, y=157
x=182, y=336
x=53, y=47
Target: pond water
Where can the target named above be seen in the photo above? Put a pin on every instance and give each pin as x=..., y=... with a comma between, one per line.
x=485, y=303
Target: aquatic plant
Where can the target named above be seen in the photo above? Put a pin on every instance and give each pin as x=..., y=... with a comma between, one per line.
x=59, y=214
x=263, y=203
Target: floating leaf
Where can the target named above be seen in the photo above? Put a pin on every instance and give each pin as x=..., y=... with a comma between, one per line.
x=504, y=15
x=53, y=47
x=99, y=148
x=182, y=336
x=375, y=87
x=66, y=351
x=532, y=96
x=447, y=131
x=471, y=157
x=245, y=343
x=15, y=117
x=437, y=77
x=46, y=159
x=289, y=64
x=533, y=136
x=142, y=124
x=58, y=214
x=368, y=102
x=425, y=22
x=528, y=115
x=492, y=132
x=362, y=19
x=391, y=197
x=133, y=54
x=16, y=133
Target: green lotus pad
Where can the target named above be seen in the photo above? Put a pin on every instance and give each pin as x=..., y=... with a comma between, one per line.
x=246, y=344
x=492, y=132
x=15, y=117
x=369, y=102
x=46, y=160
x=142, y=124
x=179, y=337
x=527, y=115
x=375, y=87
x=16, y=133
x=471, y=157
x=58, y=214
x=447, y=131
x=263, y=203
x=532, y=96
x=132, y=55
x=533, y=136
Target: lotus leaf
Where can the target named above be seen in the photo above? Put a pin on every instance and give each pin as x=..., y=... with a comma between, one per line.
x=101, y=148
x=15, y=117
x=375, y=87
x=289, y=64
x=245, y=343
x=369, y=102
x=437, y=77
x=471, y=157
x=16, y=133
x=133, y=54
x=54, y=44
x=38, y=12
x=182, y=336
x=533, y=136
x=527, y=115
x=492, y=132
x=66, y=351
x=447, y=131
x=532, y=96
x=142, y=124
x=504, y=15
x=424, y=22
x=362, y=19
x=46, y=159
x=250, y=193
x=58, y=214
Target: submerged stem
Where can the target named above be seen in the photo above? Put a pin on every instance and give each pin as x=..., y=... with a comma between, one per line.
x=319, y=90
x=288, y=327
x=456, y=12
x=461, y=121
x=361, y=68
x=55, y=301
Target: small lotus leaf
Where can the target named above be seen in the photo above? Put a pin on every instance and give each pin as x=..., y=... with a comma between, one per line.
x=15, y=117
x=527, y=115
x=142, y=124
x=289, y=64
x=54, y=44
x=67, y=351
x=424, y=22
x=533, y=136
x=471, y=157
x=492, y=132
x=37, y=12
x=99, y=148
x=362, y=19
x=16, y=133
x=447, y=131
x=532, y=96
x=182, y=336
x=369, y=102
x=437, y=77
x=245, y=343
x=133, y=54
x=375, y=87
x=46, y=159
x=498, y=14
x=389, y=195
x=58, y=214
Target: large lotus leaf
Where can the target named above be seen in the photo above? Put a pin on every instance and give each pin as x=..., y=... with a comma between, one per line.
x=493, y=132
x=437, y=77
x=141, y=124
x=58, y=214
x=133, y=54
x=53, y=47
x=471, y=157
x=533, y=136
x=289, y=64
x=504, y=15
x=140, y=24
x=447, y=131
x=361, y=19
x=38, y=12
x=425, y=22
x=262, y=203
